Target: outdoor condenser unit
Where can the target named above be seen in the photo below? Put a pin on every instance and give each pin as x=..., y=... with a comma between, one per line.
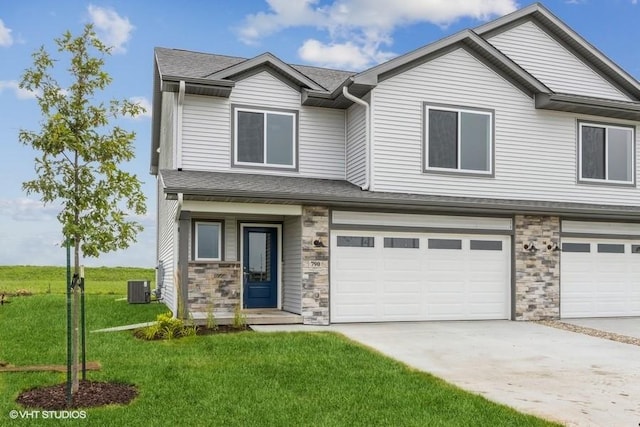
x=138, y=292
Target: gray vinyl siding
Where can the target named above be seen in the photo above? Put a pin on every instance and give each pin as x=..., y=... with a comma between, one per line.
x=550, y=62
x=207, y=137
x=167, y=247
x=356, y=140
x=535, y=150
x=292, y=269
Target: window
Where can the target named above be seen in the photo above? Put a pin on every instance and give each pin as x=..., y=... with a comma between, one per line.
x=458, y=139
x=576, y=247
x=401, y=242
x=485, y=245
x=606, y=153
x=444, y=244
x=356, y=242
x=265, y=138
x=208, y=241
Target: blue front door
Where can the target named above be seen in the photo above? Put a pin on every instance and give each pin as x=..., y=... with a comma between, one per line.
x=260, y=267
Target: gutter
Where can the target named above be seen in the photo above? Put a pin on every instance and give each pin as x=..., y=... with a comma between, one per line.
x=367, y=137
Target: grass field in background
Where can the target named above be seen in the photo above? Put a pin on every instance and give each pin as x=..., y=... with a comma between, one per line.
x=98, y=280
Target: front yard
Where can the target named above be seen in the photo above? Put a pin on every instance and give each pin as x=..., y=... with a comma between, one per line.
x=237, y=379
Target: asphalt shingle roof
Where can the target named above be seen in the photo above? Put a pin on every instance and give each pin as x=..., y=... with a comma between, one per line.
x=293, y=189
x=184, y=63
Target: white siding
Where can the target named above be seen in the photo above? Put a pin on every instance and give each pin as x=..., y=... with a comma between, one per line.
x=550, y=62
x=207, y=135
x=292, y=269
x=535, y=150
x=167, y=247
x=356, y=140
x=206, y=132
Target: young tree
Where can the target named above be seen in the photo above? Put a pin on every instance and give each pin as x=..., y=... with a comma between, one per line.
x=79, y=153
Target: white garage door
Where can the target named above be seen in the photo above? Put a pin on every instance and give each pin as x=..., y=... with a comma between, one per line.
x=387, y=276
x=599, y=278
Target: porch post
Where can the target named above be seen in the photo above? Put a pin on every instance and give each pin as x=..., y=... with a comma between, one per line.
x=184, y=229
x=315, y=265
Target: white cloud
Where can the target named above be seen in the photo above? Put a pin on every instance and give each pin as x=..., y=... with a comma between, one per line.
x=144, y=103
x=14, y=86
x=25, y=209
x=367, y=25
x=5, y=35
x=113, y=30
x=340, y=55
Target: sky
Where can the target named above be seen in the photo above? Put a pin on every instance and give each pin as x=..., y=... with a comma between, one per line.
x=344, y=34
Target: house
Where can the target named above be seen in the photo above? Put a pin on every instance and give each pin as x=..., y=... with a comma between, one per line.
x=489, y=175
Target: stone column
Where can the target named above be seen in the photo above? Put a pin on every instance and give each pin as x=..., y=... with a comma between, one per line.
x=315, y=265
x=537, y=271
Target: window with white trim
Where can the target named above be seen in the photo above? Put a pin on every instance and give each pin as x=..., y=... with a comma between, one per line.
x=606, y=153
x=208, y=241
x=265, y=137
x=458, y=139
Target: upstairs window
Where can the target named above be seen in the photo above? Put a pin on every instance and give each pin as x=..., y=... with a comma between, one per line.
x=606, y=153
x=265, y=138
x=458, y=139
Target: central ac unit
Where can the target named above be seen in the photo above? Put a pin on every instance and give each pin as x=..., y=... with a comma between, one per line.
x=138, y=292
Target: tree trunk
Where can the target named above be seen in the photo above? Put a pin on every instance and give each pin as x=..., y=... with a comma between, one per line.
x=75, y=321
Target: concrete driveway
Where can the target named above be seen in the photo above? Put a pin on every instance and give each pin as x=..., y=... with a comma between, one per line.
x=575, y=379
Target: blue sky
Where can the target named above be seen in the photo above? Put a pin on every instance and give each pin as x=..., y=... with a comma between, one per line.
x=344, y=34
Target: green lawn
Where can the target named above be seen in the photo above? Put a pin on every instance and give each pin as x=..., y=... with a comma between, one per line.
x=243, y=379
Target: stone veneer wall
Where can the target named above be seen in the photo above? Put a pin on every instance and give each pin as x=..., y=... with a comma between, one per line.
x=537, y=272
x=214, y=285
x=315, y=265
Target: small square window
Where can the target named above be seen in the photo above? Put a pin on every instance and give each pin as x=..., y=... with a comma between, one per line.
x=208, y=241
x=458, y=139
x=606, y=153
x=265, y=138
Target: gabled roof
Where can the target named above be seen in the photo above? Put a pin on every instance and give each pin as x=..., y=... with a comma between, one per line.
x=574, y=41
x=177, y=63
x=215, y=75
x=466, y=39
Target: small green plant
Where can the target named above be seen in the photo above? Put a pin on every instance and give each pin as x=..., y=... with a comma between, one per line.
x=239, y=318
x=212, y=323
x=167, y=327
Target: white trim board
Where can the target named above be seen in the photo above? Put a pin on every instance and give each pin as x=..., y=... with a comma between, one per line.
x=417, y=220
x=593, y=227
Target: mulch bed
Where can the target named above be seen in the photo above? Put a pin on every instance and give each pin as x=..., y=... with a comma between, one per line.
x=222, y=329
x=90, y=394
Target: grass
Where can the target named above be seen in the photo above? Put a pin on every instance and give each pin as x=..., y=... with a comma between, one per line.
x=98, y=280
x=319, y=379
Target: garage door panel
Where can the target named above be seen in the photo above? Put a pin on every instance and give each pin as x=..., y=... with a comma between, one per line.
x=602, y=282
x=420, y=276
x=392, y=287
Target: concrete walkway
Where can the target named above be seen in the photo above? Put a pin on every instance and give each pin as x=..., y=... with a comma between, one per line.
x=575, y=379
x=125, y=327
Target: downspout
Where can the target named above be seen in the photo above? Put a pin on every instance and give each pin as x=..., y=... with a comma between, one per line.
x=181, y=92
x=367, y=135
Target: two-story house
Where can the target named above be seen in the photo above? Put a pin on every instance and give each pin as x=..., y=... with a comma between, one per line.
x=489, y=175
